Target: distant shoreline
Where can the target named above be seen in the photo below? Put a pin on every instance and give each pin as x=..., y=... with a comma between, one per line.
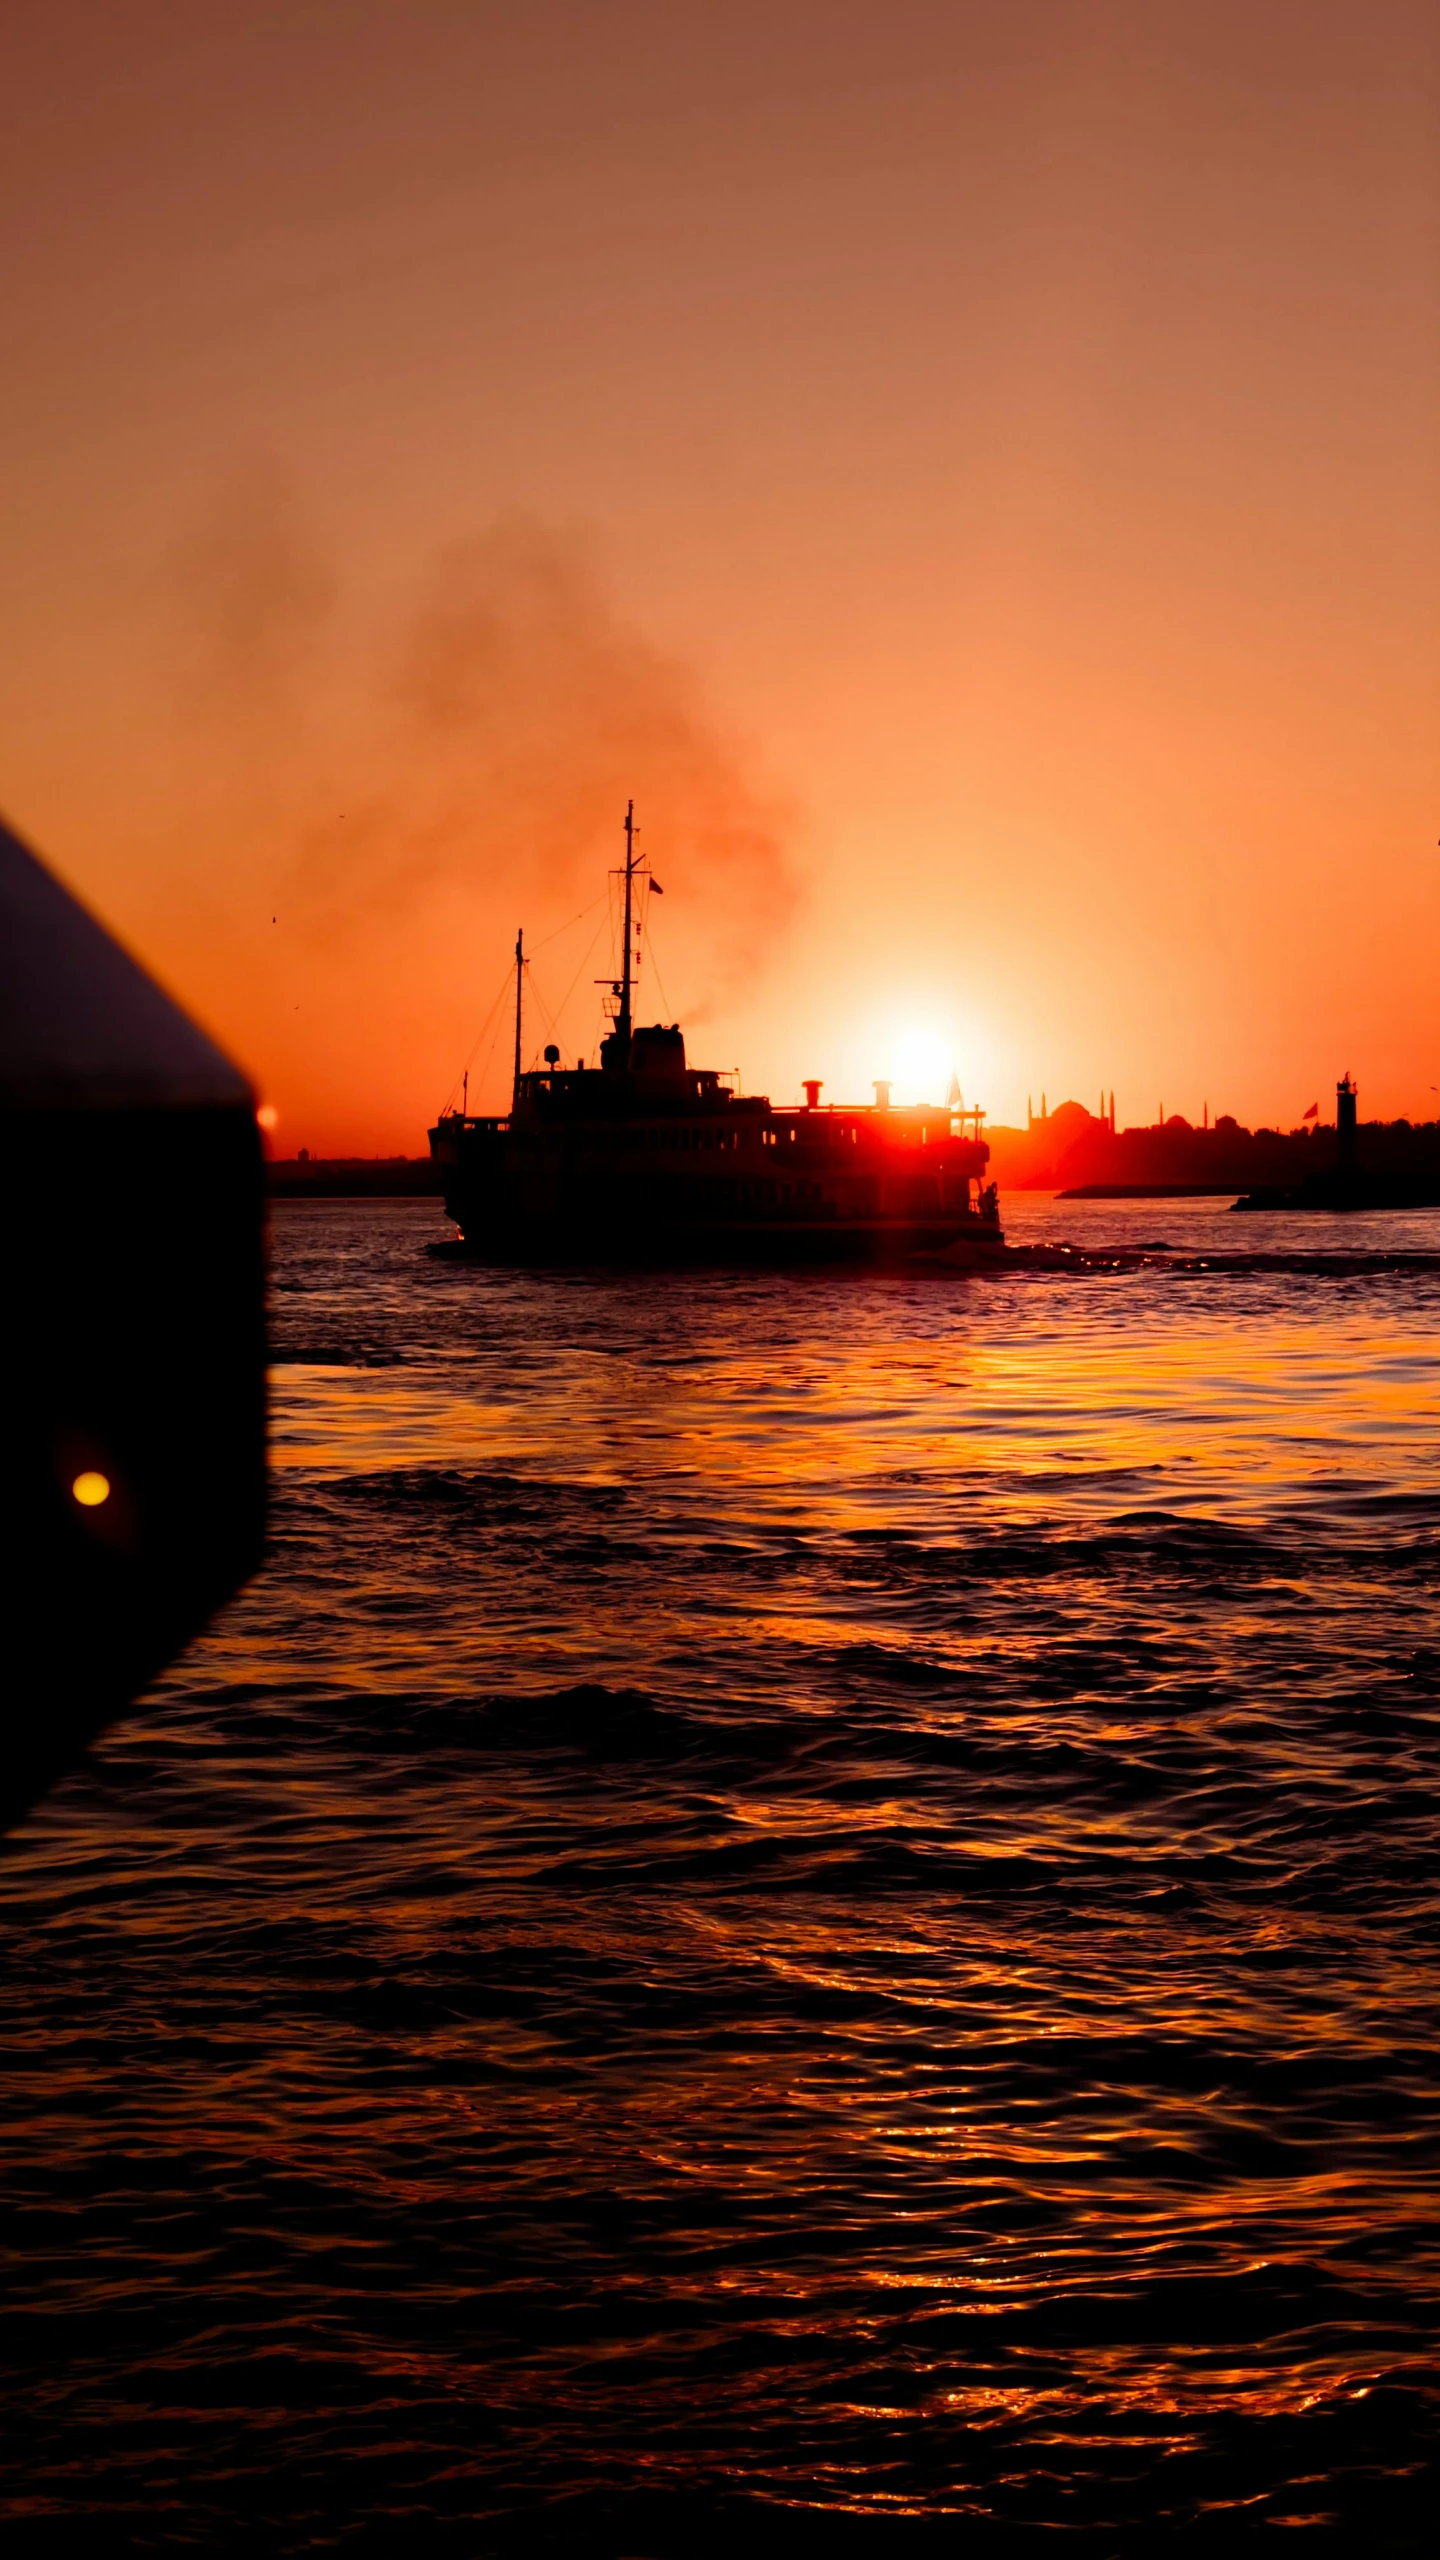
x=1083, y=1156
x=352, y=1178
x=1147, y=1191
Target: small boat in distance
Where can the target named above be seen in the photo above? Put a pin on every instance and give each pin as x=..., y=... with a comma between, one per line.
x=645, y=1159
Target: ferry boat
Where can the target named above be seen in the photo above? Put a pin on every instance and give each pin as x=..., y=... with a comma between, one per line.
x=647, y=1159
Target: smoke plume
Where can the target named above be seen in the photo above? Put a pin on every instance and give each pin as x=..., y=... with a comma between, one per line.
x=398, y=796
x=521, y=712
x=255, y=593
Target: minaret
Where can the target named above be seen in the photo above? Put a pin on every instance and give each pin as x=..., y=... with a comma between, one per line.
x=1345, y=1120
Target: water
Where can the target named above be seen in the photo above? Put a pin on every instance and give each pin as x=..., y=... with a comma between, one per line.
x=793, y=1900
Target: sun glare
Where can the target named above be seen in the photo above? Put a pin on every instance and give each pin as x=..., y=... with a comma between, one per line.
x=922, y=1065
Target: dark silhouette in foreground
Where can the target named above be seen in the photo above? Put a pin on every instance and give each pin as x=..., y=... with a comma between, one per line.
x=132, y=1294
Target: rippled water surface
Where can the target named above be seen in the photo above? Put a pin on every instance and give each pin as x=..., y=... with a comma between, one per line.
x=799, y=1901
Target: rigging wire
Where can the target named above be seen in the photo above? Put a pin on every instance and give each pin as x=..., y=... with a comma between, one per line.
x=508, y=980
x=607, y=899
x=575, y=981
x=574, y=920
x=538, y=1000
x=554, y=1020
x=489, y=1057
x=479, y=1036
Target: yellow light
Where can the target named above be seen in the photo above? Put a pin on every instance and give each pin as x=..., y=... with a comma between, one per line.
x=268, y=1116
x=90, y=1488
x=922, y=1065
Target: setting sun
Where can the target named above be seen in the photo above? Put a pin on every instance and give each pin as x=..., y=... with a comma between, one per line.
x=922, y=1065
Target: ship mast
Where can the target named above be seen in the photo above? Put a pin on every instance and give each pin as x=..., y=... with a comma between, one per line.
x=519, y=1001
x=622, y=1024
x=615, y=1047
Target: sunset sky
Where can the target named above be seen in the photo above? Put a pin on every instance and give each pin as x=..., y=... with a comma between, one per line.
x=969, y=470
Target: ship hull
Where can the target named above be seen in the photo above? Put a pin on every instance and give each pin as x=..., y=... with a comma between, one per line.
x=634, y=1167
x=644, y=1158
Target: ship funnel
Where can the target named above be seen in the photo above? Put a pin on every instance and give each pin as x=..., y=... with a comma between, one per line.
x=659, y=1052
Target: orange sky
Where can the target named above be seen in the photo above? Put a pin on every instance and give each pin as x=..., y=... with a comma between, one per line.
x=970, y=471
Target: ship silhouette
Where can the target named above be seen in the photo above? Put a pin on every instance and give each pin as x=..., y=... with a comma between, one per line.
x=646, y=1159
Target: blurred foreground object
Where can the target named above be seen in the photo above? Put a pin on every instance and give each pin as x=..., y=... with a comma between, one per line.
x=133, y=1447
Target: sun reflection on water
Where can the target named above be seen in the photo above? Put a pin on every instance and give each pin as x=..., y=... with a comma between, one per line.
x=820, y=1887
